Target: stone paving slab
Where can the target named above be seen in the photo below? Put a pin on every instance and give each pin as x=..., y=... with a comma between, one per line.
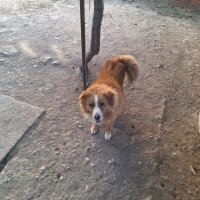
x=15, y=119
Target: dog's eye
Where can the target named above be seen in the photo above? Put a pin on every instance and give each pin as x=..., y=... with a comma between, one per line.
x=101, y=104
x=91, y=105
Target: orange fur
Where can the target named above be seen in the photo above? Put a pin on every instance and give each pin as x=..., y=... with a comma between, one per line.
x=109, y=89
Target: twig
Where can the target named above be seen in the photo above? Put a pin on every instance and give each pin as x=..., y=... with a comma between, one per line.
x=192, y=169
x=162, y=115
x=199, y=124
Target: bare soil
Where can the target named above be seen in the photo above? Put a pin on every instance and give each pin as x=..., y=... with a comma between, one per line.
x=155, y=152
x=189, y=4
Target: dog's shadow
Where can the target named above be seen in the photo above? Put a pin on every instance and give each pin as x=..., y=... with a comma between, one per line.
x=126, y=151
x=125, y=147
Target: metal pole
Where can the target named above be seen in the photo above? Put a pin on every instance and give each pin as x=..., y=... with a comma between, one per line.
x=82, y=19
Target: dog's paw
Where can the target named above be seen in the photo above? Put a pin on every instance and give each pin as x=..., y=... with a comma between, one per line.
x=107, y=136
x=93, y=130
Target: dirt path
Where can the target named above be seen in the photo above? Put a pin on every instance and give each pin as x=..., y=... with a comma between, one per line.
x=155, y=154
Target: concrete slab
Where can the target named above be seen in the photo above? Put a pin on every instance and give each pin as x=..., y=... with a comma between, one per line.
x=15, y=119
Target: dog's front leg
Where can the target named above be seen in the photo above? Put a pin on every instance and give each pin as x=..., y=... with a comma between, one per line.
x=108, y=134
x=94, y=129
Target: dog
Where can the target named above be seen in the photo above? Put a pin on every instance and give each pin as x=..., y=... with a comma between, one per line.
x=103, y=101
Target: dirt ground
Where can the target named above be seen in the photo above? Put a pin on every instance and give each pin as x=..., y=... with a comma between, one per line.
x=155, y=152
x=189, y=4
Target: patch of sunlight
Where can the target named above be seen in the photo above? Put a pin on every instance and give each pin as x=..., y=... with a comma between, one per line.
x=25, y=47
x=58, y=51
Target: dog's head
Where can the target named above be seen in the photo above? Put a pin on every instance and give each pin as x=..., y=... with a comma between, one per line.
x=97, y=104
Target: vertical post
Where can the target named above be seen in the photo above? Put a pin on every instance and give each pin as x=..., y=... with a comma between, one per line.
x=82, y=19
x=96, y=30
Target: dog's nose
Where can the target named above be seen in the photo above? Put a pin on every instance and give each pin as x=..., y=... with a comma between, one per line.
x=97, y=117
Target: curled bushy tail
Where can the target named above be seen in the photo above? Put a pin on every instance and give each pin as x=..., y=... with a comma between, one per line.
x=131, y=66
x=120, y=65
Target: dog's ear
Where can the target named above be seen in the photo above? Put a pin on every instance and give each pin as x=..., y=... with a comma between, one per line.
x=83, y=96
x=110, y=96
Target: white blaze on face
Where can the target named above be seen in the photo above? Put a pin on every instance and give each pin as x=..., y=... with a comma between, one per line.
x=97, y=113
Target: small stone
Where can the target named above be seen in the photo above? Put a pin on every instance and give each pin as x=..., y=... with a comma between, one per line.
x=77, y=122
x=148, y=198
x=42, y=168
x=76, y=89
x=68, y=168
x=88, y=149
x=45, y=60
x=6, y=198
x=1, y=61
x=148, y=75
x=151, y=136
x=87, y=159
x=56, y=149
x=111, y=161
x=8, y=51
x=86, y=188
x=131, y=87
x=30, y=196
x=158, y=139
x=66, y=197
x=78, y=71
x=77, y=144
x=58, y=176
x=93, y=145
x=55, y=63
x=92, y=164
x=133, y=139
x=36, y=177
x=80, y=126
x=160, y=66
x=174, y=154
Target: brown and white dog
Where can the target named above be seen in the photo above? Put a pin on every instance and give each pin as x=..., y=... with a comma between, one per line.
x=103, y=101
